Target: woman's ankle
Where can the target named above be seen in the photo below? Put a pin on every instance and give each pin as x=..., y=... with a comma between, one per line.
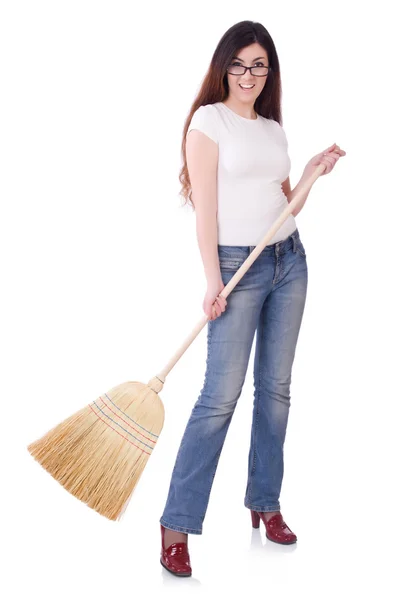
x=171, y=537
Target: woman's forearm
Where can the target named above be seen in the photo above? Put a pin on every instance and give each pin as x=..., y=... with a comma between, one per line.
x=301, y=203
x=207, y=237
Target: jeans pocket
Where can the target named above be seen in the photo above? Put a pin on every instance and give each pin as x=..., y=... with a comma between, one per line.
x=230, y=264
x=231, y=259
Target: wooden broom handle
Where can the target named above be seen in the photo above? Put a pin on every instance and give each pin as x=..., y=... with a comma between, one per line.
x=238, y=275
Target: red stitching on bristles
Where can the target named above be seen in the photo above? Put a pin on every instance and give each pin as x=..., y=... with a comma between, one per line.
x=118, y=416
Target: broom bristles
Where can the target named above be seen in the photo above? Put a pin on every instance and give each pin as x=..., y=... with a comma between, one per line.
x=98, y=454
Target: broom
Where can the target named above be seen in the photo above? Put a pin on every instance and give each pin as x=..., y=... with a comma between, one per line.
x=99, y=453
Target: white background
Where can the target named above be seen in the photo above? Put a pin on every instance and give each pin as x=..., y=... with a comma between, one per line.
x=102, y=280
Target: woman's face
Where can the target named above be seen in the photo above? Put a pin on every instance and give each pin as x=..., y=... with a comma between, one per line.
x=250, y=56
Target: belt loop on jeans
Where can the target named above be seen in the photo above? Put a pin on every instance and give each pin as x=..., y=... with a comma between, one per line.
x=293, y=241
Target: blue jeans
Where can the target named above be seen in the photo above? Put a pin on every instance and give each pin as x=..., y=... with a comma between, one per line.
x=269, y=300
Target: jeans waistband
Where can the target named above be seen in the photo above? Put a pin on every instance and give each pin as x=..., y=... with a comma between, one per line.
x=276, y=248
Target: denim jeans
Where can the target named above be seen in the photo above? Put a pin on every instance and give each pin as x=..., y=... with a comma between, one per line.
x=269, y=300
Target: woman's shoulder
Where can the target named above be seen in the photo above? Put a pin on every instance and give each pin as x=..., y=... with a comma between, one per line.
x=205, y=119
x=209, y=109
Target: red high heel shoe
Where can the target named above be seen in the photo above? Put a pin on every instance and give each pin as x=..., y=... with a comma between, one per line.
x=175, y=558
x=276, y=528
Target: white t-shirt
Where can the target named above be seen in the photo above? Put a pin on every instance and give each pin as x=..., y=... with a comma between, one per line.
x=253, y=162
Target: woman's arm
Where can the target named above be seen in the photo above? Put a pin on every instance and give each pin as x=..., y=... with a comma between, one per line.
x=286, y=186
x=202, y=164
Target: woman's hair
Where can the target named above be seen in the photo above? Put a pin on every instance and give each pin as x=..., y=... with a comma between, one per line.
x=215, y=86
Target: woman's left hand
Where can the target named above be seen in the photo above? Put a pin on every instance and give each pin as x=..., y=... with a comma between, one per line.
x=328, y=157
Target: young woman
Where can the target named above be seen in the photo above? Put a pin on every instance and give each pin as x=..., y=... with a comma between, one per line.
x=235, y=173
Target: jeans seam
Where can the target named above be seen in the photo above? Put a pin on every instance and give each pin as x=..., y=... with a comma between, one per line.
x=256, y=417
x=208, y=362
x=212, y=481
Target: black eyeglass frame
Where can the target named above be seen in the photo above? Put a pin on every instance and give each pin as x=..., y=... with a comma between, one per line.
x=245, y=70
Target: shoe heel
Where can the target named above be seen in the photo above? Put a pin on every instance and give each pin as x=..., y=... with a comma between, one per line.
x=255, y=518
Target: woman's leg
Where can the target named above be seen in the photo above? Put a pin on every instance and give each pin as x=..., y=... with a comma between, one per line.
x=277, y=335
x=230, y=339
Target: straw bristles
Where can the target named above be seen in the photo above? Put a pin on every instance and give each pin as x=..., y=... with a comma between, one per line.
x=98, y=454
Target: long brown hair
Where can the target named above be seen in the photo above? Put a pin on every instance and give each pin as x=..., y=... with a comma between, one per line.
x=215, y=87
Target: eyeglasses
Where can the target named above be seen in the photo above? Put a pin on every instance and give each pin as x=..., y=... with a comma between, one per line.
x=236, y=69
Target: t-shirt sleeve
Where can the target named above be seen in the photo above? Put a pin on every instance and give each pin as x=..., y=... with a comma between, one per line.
x=204, y=119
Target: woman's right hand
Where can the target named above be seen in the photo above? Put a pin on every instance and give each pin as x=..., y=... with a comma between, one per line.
x=214, y=305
